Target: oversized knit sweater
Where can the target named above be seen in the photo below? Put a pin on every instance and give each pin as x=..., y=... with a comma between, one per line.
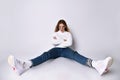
x=62, y=39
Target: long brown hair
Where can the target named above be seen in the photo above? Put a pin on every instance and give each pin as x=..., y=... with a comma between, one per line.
x=64, y=23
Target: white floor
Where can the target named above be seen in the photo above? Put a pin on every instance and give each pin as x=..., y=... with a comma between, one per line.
x=59, y=69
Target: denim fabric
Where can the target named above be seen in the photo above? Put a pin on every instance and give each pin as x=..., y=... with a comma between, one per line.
x=61, y=52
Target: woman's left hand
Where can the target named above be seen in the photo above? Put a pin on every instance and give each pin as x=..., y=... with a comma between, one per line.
x=65, y=40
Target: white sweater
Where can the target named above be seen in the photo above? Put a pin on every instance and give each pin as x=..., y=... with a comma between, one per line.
x=63, y=39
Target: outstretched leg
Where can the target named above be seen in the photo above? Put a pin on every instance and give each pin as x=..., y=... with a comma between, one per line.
x=100, y=65
x=20, y=66
x=51, y=54
x=71, y=54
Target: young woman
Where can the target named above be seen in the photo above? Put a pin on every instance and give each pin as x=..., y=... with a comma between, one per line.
x=62, y=40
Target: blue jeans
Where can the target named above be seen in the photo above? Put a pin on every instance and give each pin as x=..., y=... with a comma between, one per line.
x=61, y=52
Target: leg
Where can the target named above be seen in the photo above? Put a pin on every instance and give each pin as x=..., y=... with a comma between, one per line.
x=101, y=66
x=20, y=66
x=71, y=54
x=51, y=54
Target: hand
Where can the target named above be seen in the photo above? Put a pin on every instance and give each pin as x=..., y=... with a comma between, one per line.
x=65, y=40
x=54, y=37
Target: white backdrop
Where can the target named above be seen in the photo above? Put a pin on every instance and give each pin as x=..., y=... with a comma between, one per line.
x=26, y=25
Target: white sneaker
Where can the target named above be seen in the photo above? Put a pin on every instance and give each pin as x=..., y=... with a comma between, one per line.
x=18, y=66
x=102, y=66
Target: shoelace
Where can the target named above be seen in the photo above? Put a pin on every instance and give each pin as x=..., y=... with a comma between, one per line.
x=21, y=63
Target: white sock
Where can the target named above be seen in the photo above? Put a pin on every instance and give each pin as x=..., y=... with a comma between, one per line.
x=29, y=63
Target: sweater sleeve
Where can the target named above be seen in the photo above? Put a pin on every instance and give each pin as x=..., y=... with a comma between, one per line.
x=67, y=41
x=56, y=41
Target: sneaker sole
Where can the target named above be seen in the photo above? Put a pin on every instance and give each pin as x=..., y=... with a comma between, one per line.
x=108, y=62
x=11, y=61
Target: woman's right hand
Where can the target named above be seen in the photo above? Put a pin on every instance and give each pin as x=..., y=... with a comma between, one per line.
x=54, y=37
